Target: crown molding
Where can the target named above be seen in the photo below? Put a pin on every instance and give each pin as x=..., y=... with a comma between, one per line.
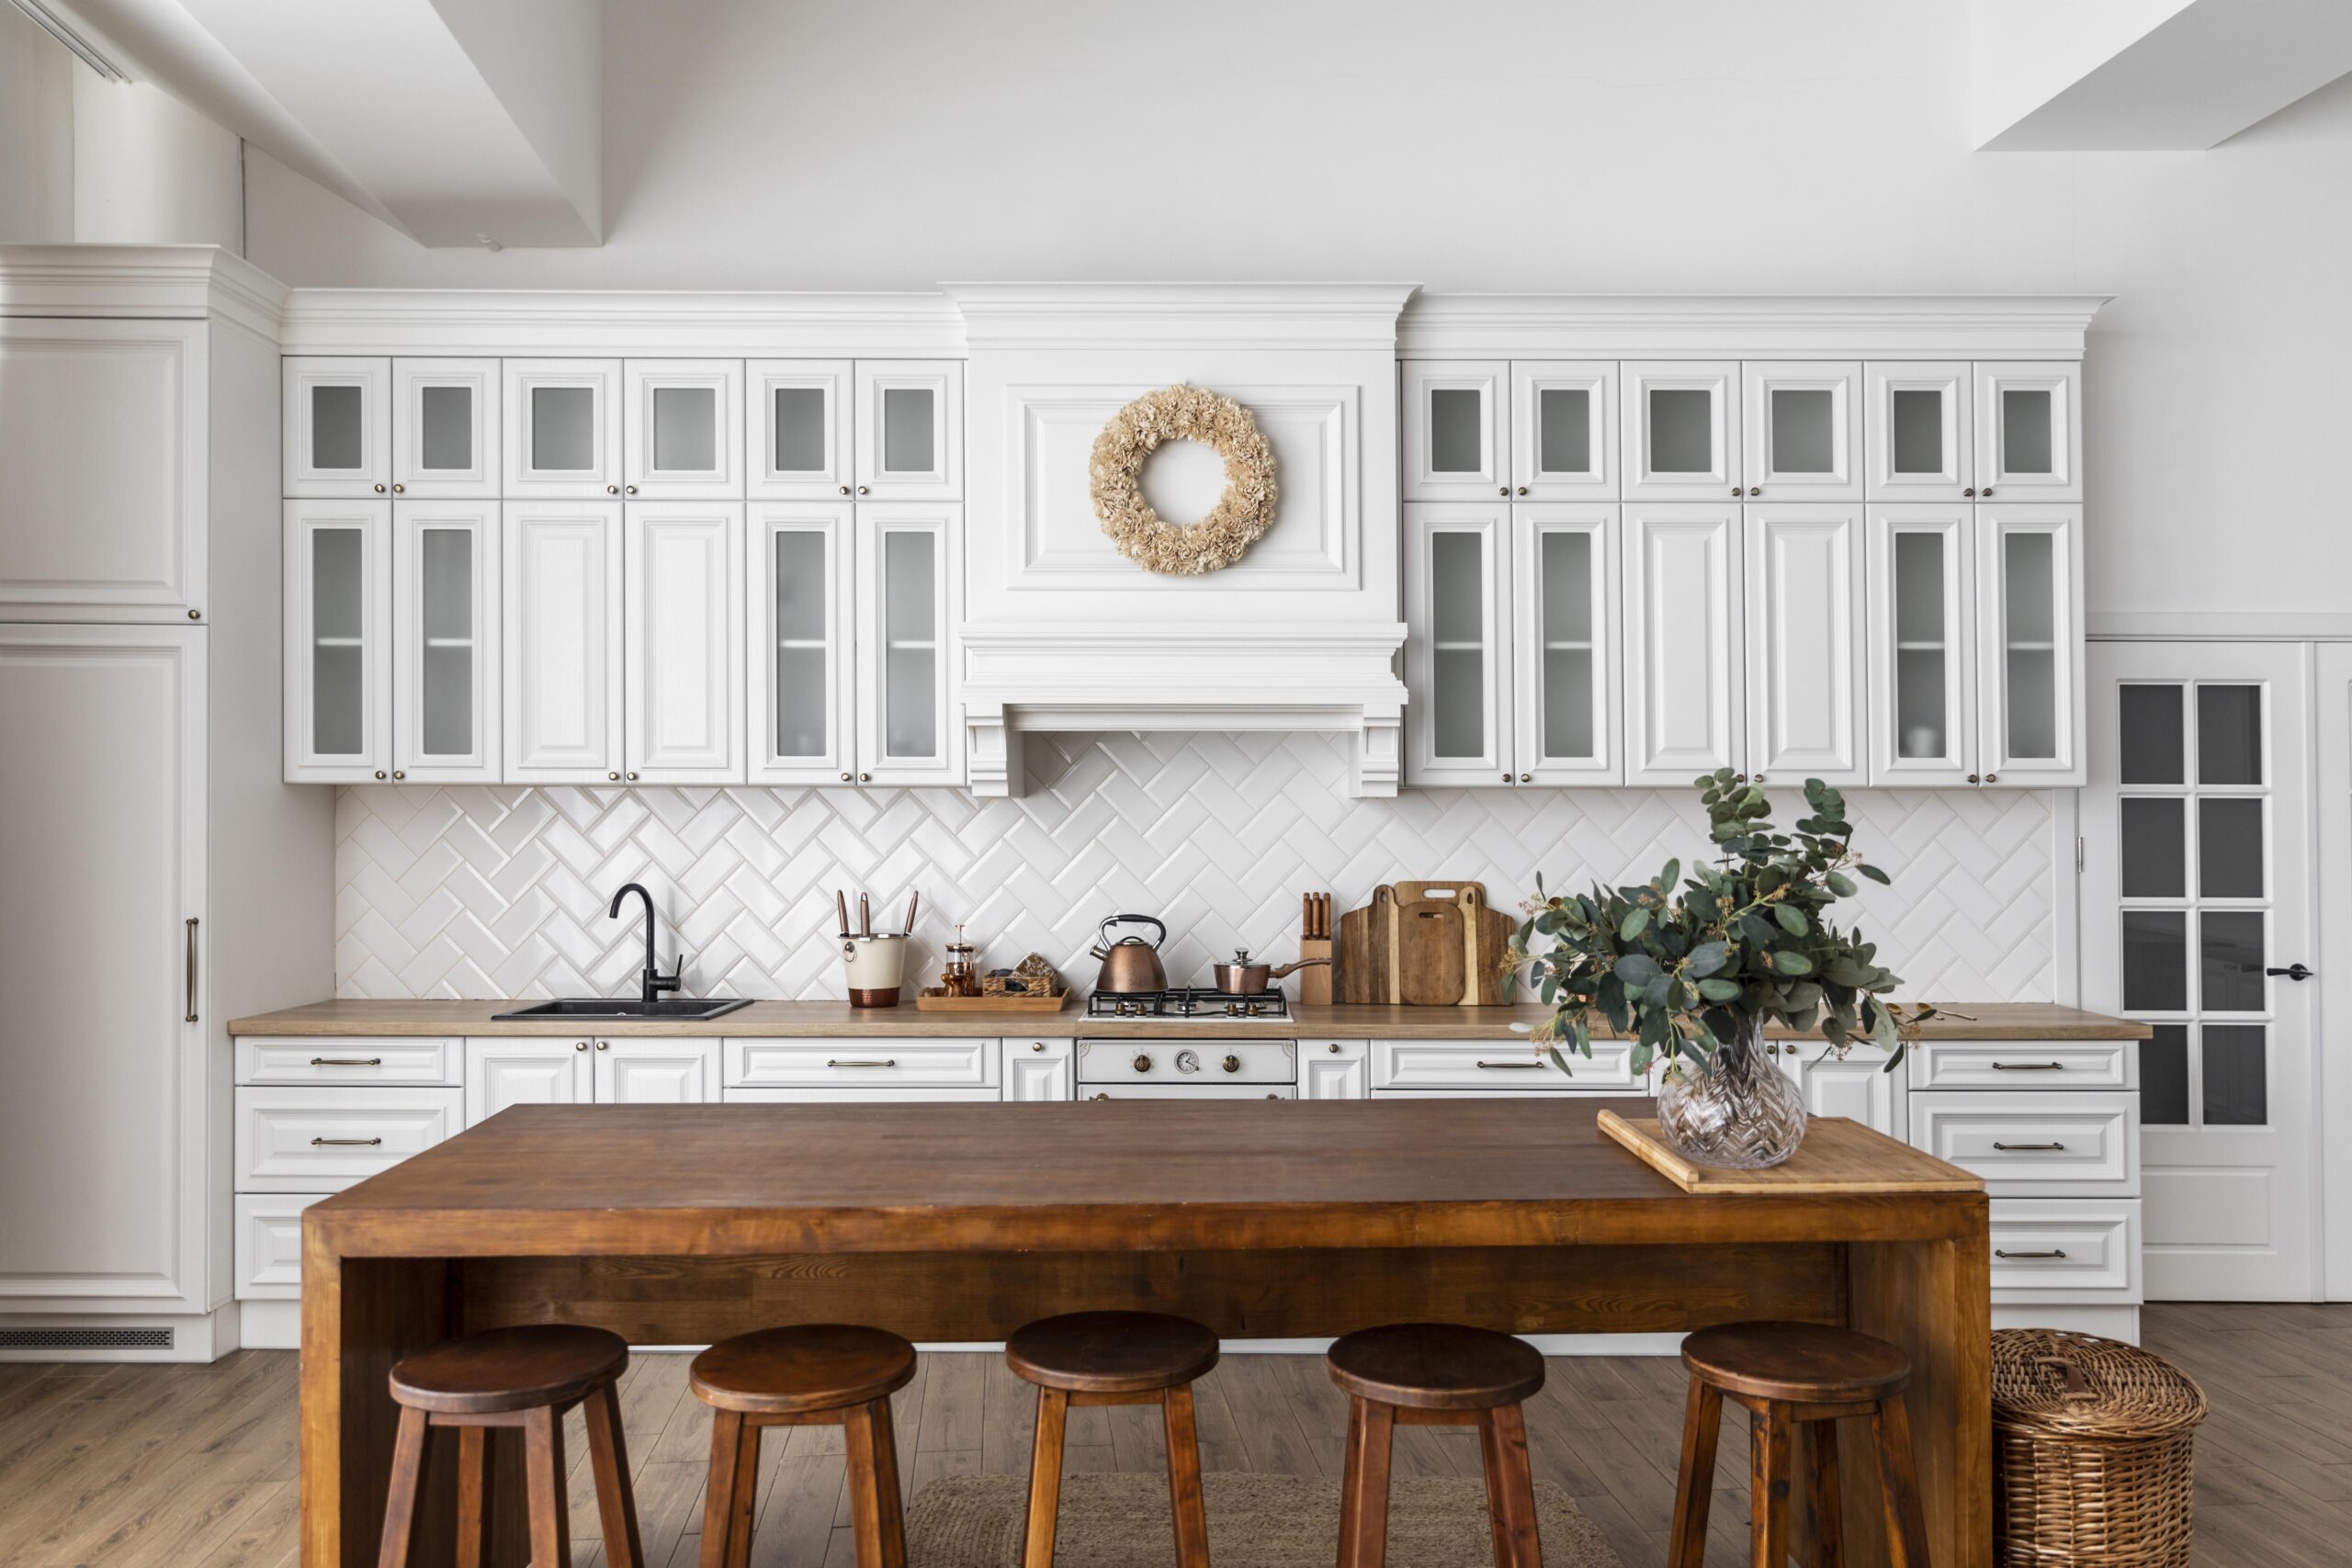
x=524, y=324
x=1752, y=326
x=151, y=282
x=1325, y=316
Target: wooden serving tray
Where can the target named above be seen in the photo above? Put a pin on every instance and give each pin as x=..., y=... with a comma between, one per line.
x=1838, y=1155
x=1008, y=1002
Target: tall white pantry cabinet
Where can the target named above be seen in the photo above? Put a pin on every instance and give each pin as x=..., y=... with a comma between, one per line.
x=162, y=877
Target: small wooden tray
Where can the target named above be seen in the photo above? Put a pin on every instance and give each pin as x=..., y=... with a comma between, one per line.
x=1838, y=1155
x=1007, y=1002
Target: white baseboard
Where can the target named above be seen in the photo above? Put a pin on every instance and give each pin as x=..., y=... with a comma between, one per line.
x=2106, y=1322
x=272, y=1325
x=195, y=1336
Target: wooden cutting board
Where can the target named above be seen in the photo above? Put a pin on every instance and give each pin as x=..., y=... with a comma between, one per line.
x=1362, y=956
x=1428, y=959
x=1837, y=1155
x=1484, y=933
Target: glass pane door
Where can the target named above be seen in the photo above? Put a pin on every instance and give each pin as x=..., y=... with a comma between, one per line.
x=445, y=584
x=2028, y=602
x=337, y=678
x=445, y=429
x=1681, y=430
x=801, y=652
x=685, y=429
x=1565, y=673
x=1923, y=728
x=909, y=430
x=337, y=426
x=1564, y=436
x=1804, y=430
x=906, y=564
x=2029, y=430
x=1456, y=426
x=1453, y=577
x=798, y=434
x=562, y=426
x=1916, y=431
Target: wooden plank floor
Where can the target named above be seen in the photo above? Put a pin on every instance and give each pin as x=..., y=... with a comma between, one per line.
x=165, y=1466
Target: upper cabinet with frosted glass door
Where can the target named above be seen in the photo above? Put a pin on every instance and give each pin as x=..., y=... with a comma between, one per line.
x=562, y=429
x=1800, y=424
x=338, y=684
x=1523, y=430
x=1567, y=696
x=1456, y=429
x=909, y=581
x=1682, y=429
x=798, y=435
x=446, y=619
x=909, y=430
x=1922, y=596
x=1918, y=431
x=1457, y=643
x=1563, y=430
x=801, y=618
x=2029, y=645
x=2029, y=432
x=338, y=426
x=445, y=429
x=681, y=431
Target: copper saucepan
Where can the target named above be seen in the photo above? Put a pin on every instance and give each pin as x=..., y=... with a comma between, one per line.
x=1244, y=975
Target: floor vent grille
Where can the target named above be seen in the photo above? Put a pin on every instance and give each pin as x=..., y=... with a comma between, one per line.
x=86, y=1338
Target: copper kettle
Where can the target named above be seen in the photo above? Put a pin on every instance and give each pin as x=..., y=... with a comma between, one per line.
x=1129, y=963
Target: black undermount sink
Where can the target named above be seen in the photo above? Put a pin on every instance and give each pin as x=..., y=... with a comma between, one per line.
x=626, y=1006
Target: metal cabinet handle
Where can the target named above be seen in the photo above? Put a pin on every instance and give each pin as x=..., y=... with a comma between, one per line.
x=604, y=1044
x=191, y=971
x=1514, y=1067
x=2053, y=1252
x=580, y=1044
x=1098, y=1096
x=845, y=1062
x=1038, y=1047
x=344, y=1143
x=346, y=1061
x=2292, y=972
x=2027, y=1148
x=1334, y=1047
x=2029, y=1067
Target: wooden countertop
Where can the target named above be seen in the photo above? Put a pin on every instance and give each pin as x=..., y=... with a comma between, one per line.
x=1965, y=1021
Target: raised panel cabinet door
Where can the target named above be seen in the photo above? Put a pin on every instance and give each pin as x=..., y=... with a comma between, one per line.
x=1563, y=430
x=562, y=428
x=108, y=1170
x=684, y=643
x=909, y=565
x=338, y=425
x=1854, y=1084
x=656, y=1072
x=2029, y=431
x=561, y=641
x=799, y=430
x=1685, y=650
x=1457, y=666
x=1040, y=1069
x=105, y=449
x=682, y=432
x=445, y=429
x=1802, y=425
x=1921, y=617
x=909, y=430
x=1568, y=696
x=1334, y=1069
x=500, y=1072
x=445, y=726
x=338, y=641
x=1682, y=429
x=2029, y=645
x=802, y=674
x=1918, y=430
x=1804, y=643
x=1457, y=429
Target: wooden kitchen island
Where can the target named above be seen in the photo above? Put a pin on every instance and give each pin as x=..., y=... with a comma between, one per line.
x=682, y=1224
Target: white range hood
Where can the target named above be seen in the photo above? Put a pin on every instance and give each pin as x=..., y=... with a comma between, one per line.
x=1063, y=632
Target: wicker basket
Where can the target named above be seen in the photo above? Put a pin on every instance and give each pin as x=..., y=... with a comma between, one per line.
x=2091, y=1452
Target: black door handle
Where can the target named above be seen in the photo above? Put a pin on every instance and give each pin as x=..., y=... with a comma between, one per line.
x=2293, y=972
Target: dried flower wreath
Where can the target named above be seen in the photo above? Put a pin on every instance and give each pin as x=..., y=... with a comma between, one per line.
x=1242, y=513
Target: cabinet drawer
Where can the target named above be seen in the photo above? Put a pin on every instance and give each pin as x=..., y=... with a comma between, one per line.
x=2052, y=1249
x=811, y=1063
x=1500, y=1065
x=2035, y=1145
x=1184, y=1063
x=344, y=1061
x=1188, y=1091
x=879, y=1095
x=322, y=1140
x=270, y=1245
x=2025, y=1064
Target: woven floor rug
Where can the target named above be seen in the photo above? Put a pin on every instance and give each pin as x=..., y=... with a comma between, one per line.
x=1120, y=1520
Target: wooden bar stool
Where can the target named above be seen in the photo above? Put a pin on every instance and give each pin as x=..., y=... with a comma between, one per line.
x=1114, y=1358
x=813, y=1374
x=1798, y=1381
x=525, y=1377
x=1436, y=1374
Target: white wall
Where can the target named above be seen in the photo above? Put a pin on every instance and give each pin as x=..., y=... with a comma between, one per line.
x=35, y=132
x=1533, y=144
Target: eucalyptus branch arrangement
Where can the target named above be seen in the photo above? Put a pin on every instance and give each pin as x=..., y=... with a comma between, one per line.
x=1681, y=964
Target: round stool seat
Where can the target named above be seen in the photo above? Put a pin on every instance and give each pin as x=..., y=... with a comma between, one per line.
x=1797, y=1363
x=502, y=1370
x=1111, y=1352
x=1436, y=1365
x=810, y=1366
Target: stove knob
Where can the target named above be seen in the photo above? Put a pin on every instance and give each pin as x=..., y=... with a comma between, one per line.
x=1188, y=1061
x=1257, y=1010
x=1233, y=1008
x=1233, y=1064
x=1143, y=1063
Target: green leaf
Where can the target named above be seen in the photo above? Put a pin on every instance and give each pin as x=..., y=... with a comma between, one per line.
x=1637, y=969
x=1719, y=990
x=1708, y=958
x=1875, y=874
x=1788, y=961
x=1633, y=924
x=1840, y=884
x=1791, y=918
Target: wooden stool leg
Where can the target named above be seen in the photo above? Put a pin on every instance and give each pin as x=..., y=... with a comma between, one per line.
x=608, y=1456
x=1819, y=1440
x=1694, y=1485
x=1768, y=1486
x=1045, y=1479
x=1510, y=1487
x=474, y=1550
x=746, y=1496
x=408, y=1476
x=718, y=1506
x=1364, y=1488
x=878, y=1531
x=1906, y=1524
x=1185, y=1480
x=545, y=1478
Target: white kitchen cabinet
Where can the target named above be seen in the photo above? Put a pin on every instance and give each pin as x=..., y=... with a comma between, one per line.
x=1804, y=650
x=445, y=429
x=562, y=424
x=1563, y=430
x=338, y=426
x=445, y=624
x=338, y=616
x=1566, y=695
x=1334, y=1069
x=2028, y=430
x=683, y=430
x=1040, y=1069
x=561, y=641
x=2028, y=642
x=887, y=1064
x=639, y=1071
x=1801, y=423
x=1507, y=1065
x=269, y=1244
x=861, y=1096
x=1918, y=431
x=348, y=1061
x=1685, y=680
x=908, y=575
x=527, y=1071
x=2030, y=1144
x=1681, y=429
x=1456, y=663
x=1854, y=1083
x=1922, y=628
x=1456, y=429
x=2062, y=1252
x=799, y=432
x=683, y=643
x=802, y=672
x=909, y=430
x=311, y=1139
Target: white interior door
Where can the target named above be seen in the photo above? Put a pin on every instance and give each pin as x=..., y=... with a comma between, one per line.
x=2334, y=690
x=2196, y=892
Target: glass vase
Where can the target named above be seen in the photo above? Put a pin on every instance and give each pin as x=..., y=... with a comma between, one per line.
x=1733, y=1110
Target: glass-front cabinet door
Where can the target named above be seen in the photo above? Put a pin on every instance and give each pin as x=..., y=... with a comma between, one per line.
x=683, y=431
x=907, y=565
x=1684, y=642
x=445, y=641
x=1457, y=429
x=337, y=437
x=802, y=688
x=562, y=429
x=1682, y=429
x=1918, y=431
x=338, y=669
x=1564, y=677
x=799, y=433
x=2030, y=678
x=1456, y=724
x=1801, y=423
x=560, y=632
x=1923, y=656
x=909, y=430
x=684, y=659
x=1563, y=430
x=2029, y=432
x=445, y=429
x=1805, y=654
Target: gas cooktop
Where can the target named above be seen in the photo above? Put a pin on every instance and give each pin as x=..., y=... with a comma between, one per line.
x=1193, y=1004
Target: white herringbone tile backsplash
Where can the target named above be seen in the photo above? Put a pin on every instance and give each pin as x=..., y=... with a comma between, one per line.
x=501, y=892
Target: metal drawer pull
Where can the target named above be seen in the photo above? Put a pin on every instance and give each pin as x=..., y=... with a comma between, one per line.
x=2027, y=1148
x=191, y=971
x=346, y=1061
x=892, y=1062
x=1516, y=1067
x=345, y=1143
x=2053, y=1252
x=2029, y=1067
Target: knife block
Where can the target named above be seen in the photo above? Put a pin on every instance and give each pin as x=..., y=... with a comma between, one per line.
x=1315, y=985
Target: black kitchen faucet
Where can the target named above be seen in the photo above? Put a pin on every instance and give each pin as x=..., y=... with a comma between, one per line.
x=653, y=981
